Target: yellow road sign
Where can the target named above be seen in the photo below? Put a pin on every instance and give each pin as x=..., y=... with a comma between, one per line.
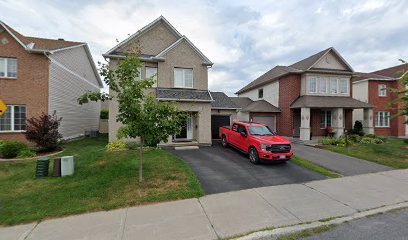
x=3, y=108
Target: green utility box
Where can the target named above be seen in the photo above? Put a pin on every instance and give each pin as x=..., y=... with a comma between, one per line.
x=41, y=170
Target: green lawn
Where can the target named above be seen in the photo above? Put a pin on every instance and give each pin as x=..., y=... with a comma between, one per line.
x=102, y=181
x=393, y=153
x=313, y=167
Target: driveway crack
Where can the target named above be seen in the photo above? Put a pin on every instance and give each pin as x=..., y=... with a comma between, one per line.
x=209, y=220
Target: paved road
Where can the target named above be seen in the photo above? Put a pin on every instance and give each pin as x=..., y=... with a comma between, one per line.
x=223, y=170
x=345, y=165
x=391, y=225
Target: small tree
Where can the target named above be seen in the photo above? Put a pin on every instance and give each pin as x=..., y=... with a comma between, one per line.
x=43, y=131
x=141, y=115
x=358, y=128
x=401, y=102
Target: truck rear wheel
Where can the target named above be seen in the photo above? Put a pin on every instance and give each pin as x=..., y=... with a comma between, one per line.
x=224, y=141
x=253, y=156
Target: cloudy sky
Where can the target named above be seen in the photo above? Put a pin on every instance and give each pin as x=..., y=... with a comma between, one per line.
x=243, y=38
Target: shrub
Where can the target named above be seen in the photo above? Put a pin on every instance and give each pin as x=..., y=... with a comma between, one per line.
x=328, y=141
x=104, y=114
x=357, y=128
x=43, y=131
x=11, y=149
x=116, y=146
x=26, y=153
x=370, y=136
x=405, y=141
x=132, y=145
x=367, y=140
x=354, y=138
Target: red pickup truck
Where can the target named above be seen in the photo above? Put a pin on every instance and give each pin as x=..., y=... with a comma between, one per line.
x=257, y=140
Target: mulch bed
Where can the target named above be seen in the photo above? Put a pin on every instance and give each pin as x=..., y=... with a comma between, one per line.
x=39, y=154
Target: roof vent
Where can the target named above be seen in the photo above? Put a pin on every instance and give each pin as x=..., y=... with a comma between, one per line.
x=30, y=45
x=61, y=39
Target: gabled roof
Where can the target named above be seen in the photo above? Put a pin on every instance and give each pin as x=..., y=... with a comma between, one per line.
x=115, y=51
x=387, y=74
x=248, y=105
x=144, y=30
x=186, y=40
x=222, y=101
x=49, y=46
x=305, y=65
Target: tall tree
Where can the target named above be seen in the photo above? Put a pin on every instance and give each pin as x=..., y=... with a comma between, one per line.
x=401, y=101
x=141, y=115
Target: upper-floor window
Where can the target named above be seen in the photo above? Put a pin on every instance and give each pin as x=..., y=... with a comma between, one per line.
x=139, y=76
x=8, y=67
x=312, y=85
x=382, y=90
x=323, y=85
x=13, y=120
x=183, y=77
x=152, y=72
x=343, y=86
x=260, y=93
x=382, y=119
x=333, y=85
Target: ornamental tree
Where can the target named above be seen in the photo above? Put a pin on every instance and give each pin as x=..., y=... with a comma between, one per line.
x=141, y=115
x=401, y=102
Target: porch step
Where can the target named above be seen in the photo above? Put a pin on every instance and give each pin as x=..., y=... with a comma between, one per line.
x=186, y=148
x=179, y=144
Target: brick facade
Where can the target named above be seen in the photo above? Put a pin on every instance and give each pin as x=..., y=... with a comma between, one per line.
x=30, y=88
x=289, y=90
x=397, y=126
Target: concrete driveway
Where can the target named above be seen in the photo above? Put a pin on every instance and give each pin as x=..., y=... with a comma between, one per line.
x=223, y=170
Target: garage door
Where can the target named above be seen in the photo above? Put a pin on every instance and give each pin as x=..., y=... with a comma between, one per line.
x=217, y=122
x=269, y=121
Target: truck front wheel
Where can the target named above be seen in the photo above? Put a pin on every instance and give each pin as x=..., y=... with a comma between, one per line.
x=253, y=155
x=224, y=141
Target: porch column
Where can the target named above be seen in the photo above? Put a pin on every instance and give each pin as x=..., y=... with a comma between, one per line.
x=368, y=127
x=338, y=122
x=305, y=124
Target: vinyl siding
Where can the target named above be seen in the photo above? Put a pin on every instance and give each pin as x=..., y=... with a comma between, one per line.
x=360, y=92
x=71, y=75
x=270, y=93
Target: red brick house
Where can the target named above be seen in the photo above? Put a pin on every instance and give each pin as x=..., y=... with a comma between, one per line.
x=308, y=97
x=372, y=88
x=40, y=75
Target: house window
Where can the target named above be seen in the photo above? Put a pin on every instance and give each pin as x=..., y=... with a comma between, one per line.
x=183, y=77
x=343, y=86
x=13, y=119
x=323, y=85
x=312, y=85
x=260, y=93
x=8, y=67
x=152, y=72
x=333, y=86
x=382, y=119
x=326, y=119
x=139, y=76
x=382, y=90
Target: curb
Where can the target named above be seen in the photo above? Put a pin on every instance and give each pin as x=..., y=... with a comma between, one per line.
x=275, y=233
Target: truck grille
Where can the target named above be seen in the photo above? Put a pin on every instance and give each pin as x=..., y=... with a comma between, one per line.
x=280, y=148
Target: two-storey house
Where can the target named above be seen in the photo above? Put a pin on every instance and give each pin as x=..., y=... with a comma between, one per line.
x=39, y=75
x=304, y=99
x=373, y=88
x=181, y=74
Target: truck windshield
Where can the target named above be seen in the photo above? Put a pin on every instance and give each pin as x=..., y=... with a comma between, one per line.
x=260, y=131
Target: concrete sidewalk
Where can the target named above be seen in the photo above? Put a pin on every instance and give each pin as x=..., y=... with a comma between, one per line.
x=228, y=214
x=339, y=163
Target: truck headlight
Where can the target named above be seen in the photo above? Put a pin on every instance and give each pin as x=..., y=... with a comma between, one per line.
x=264, y=147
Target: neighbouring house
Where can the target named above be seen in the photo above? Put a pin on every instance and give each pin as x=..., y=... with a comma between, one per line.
x=181, y=72
x=308, y=98
x=372, y=88
x=39, y=75
x=223, y=112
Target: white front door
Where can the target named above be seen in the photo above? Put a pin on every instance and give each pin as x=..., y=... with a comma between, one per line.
x=190, y=127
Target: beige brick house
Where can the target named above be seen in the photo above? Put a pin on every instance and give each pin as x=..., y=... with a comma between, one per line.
x=40, y=75
x=181, y=71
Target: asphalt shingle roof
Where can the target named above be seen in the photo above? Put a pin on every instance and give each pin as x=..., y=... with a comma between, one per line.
x=221, y=100
x=390, y=74
x=174, y=94
x=328, y=102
